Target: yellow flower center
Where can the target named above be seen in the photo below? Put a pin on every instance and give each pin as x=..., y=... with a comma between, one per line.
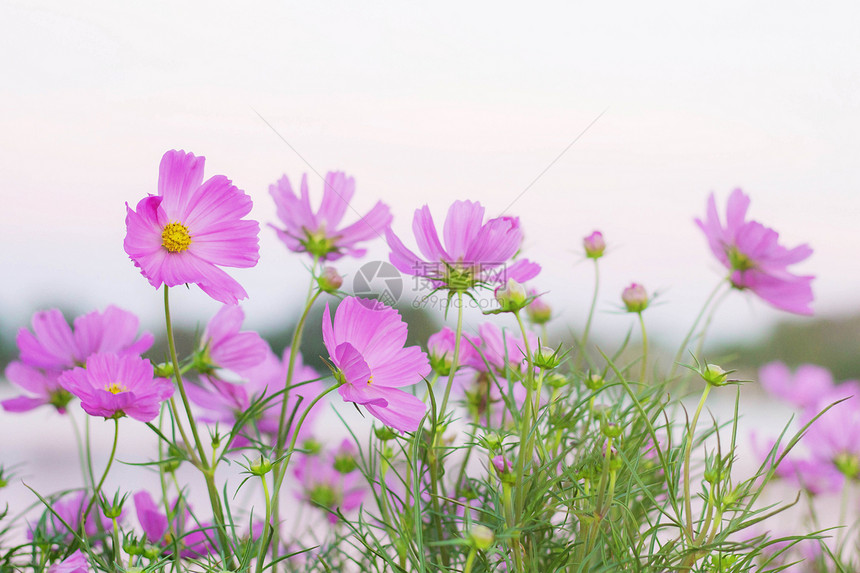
x=115, y=388
x=175, y=237
x=369, y=380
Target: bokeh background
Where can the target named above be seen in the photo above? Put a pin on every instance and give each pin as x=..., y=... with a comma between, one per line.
x=621, y=117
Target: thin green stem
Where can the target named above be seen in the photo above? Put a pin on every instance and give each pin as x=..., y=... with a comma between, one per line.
x=593, y=305
x=470, y=560
x=117, y=547
x=98, y=488
x=261, y=557
x=688, y=504
x=455, y=361
x=284, y=464
x=526, y=437
x=644, y=371
x=208, y=472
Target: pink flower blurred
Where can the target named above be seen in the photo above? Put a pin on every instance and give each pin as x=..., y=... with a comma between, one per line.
x=475, y=252
x=70, y=509
x=755, y=258
x=226, y=402
x=114, y=386
x=74, y=563
x=324, y=486
x=366, y=347
x=803, y=389
x=502, y=349
x=191, y=228
x=54, y=345
x=193, y=540
x=320, y=233
x=44, y=385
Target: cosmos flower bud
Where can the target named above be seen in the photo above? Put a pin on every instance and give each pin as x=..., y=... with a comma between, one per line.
x=538, y=311
x=505, y=468
x=635, y=298
x=714, y=375
x=511, y=296
x=594, y=245
x=481, y=536
x=610, y=429
x=556, y=380
x=546, y=358
x=848, y=464
x=261, y=466
x=594, y=382
x=329, y=280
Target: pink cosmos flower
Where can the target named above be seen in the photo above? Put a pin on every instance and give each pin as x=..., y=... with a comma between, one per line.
x=755, y=258
x=115, y=386
x=191, y=228
x=223, y=346
x=54, y=345
x=474, y=253
x=324, y=486
x=44, y=385
x=192, y=539
x=74, y=563
x=366, y=347
x=320, y=233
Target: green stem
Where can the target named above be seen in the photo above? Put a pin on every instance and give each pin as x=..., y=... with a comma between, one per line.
x=261, y=557
x=688, y=505
x=117, y=548
x=526, y=441
x=455, y=361
x=470, y=560
x=644, y=372
x=284, y=464
x=98, y=488
x=208, y=472
x=593, y=305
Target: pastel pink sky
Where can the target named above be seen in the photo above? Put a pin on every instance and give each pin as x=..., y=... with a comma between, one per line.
x=432, y=104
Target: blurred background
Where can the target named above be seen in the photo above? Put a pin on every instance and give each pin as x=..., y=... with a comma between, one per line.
x=574, y=117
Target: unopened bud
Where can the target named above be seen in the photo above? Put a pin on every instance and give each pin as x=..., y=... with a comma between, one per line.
x=538, y=311
x=594, y=245
x=635, y=298
x=481, y=536
x=261, y=466
x=505, y=468
x=546, y=358
x=329, y=280
x=511, y=296
x=594, y=382
x=714, y=375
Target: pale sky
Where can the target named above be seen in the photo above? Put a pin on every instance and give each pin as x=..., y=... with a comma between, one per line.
x=429, y=104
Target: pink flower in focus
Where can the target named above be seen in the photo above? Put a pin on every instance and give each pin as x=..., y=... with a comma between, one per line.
x=193, y=540
x=223, y=346
x=74, y=563
x=44, y=385
x=475, y=252
x=327, y=488
x=320, y=233
x=54, y=345
x=755, y=258
x=191, y=228
x=366, y=346
x=114, y=386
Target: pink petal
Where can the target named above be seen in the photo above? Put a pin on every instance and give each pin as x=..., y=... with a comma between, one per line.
x=179, y=176
x=462, y=226
x=404, y=411
x=425, y=235
x=337, y=193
